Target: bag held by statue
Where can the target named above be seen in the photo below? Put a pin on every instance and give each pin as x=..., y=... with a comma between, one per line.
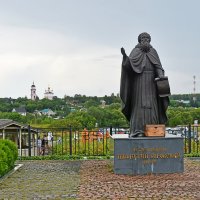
x=154, y=130
x=163, y=86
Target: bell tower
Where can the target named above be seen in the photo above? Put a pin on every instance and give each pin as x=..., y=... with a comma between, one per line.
x=33, y=92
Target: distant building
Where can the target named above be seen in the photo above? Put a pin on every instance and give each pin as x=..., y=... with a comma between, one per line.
x=48, y=94
x=72, y=109
x=21, y=111
x=83, y=109
x=33, y=92
x=183, y=101
x=47, y=112
x=37, y=112
x=103, y=103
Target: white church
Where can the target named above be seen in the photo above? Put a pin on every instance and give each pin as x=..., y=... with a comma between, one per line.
x=33, y=92
x=48, y=94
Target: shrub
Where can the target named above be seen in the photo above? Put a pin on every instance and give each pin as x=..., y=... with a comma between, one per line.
x=8, y=156
x=12, y=146
x=192, y=155
x=3, y=162
x=65, y=157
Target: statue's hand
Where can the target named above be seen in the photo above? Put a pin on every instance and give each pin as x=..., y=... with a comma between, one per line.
x=163, y=77
x=160, y=76
x=123, y=51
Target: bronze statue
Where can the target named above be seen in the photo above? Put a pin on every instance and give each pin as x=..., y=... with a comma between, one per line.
x=141, y=102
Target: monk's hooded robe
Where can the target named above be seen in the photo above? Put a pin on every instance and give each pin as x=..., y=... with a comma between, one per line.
x=141, y=103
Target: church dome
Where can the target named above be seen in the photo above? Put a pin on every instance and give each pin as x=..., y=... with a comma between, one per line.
x=33, y=85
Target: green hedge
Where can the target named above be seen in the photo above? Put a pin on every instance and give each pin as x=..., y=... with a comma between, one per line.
x=64, y=157
x=8, y=156
x=192, y=155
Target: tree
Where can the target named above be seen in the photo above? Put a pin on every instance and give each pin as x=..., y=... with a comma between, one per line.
x=13, y=116
x=91, y=103
x=84, y=119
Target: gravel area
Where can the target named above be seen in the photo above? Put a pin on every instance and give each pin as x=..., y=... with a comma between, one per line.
x=42, y=180
x=94, y=179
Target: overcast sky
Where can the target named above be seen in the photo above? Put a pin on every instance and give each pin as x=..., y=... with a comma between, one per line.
x=73, y=46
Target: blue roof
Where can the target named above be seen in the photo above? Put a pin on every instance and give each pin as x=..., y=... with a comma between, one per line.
x=46, y=110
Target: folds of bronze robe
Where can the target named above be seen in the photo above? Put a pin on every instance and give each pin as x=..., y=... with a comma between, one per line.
x=140, y=101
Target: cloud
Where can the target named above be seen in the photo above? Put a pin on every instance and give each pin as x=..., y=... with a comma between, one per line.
x=68, y=64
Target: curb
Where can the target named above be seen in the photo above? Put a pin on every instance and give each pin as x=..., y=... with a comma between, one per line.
x=17, y=166
x=194, y=158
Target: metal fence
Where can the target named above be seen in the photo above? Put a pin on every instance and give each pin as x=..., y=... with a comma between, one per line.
x=97, y=142
x=191, y=135
x=67, y=141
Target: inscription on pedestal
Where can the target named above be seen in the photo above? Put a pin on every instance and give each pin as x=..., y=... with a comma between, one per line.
x=146, y=156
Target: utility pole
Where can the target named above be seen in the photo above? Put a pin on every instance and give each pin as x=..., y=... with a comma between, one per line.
x=194, y=89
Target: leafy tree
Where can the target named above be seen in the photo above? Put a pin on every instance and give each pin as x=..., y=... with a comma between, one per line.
x=13, y=116
x=91, y=103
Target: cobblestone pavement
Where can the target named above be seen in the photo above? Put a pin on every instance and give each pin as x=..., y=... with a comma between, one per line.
x=99, y=182
x=42, y=180
x=94, y=179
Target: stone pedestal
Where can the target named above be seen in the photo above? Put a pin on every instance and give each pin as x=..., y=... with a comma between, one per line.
x=148, y=155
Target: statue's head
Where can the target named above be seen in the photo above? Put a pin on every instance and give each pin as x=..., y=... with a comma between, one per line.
x=144, y=37
x=144, y=40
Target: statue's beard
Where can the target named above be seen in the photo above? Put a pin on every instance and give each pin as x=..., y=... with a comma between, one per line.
x=145, y=46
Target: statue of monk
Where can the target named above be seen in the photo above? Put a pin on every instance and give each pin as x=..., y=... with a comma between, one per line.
x=141, y=103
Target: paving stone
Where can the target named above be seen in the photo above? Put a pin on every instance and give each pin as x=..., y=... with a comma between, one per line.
x=97, y=174
x=42, y=180
x=93, y=179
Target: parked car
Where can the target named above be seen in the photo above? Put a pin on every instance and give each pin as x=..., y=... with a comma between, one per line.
x=174, y=131
x=194, y=135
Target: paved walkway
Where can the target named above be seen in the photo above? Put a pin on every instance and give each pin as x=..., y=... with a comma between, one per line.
x=107, y=185
x=42, y=180
x=94, y=179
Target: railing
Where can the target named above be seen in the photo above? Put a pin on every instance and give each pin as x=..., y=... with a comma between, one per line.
x=191, y=135
x=96, y=142
x=66, y=141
